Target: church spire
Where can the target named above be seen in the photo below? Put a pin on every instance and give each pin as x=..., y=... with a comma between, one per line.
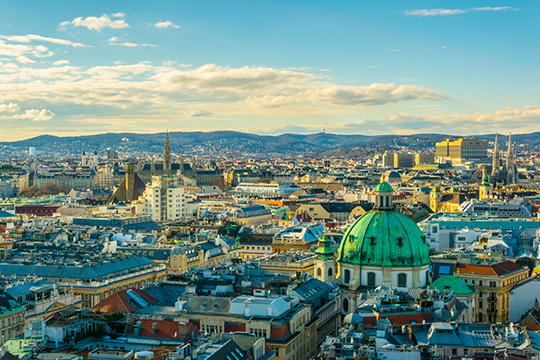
x=167, y=155
x=510, y=167
x=495, y=168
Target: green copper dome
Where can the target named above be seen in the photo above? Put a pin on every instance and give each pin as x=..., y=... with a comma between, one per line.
x=384, y=186
x=385, y=239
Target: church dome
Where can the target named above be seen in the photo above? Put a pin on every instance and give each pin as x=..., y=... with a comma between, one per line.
x=384, y=239
x=384, y=186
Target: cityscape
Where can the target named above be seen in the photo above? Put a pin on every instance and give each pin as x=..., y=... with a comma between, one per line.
x=269, y=180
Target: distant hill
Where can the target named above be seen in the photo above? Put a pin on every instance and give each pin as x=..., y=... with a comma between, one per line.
x=231, y=142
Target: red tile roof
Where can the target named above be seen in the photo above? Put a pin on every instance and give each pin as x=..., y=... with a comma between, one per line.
x=405, y=319
x=165, y=329
x=118, y=302
x=499, y=269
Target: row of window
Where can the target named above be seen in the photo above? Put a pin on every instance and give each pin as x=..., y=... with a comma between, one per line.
x=257, y=248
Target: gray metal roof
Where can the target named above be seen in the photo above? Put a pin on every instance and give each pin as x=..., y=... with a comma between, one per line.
x=99, y=270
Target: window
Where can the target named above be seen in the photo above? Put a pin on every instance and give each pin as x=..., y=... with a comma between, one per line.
x=492, y=284
x=480, y=283
x=319, y=272
x=402, y=280
x=480, y=304
x=346, y=305
x=434, y=230
x=371, y=279
x=444, y=270
x=347, y=276
x=330, y=272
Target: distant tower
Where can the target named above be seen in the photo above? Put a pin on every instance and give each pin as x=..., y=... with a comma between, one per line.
x=83, y=158
x=434, y=199
x=167, y=156
x=130, y=182
x=181, y=167
x=496, y=167
x=510, y=166
x=484, y=188
x=95, y=159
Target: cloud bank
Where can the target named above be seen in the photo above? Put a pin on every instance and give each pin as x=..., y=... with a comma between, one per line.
x=443, y=12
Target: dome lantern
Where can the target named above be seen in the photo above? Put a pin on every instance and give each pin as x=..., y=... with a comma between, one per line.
x=383, y=196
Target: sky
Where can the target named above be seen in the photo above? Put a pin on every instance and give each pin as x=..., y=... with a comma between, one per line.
x=269, y=67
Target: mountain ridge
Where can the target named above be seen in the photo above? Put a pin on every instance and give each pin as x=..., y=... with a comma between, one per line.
x=228, y=141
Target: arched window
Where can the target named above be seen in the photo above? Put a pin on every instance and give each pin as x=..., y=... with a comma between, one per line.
x=402, y=280
x=346, y=305
x=319, y=272
x=480, y=317
x=427, y=277
x=371, y=279
x=330, y=272
x=347, y=276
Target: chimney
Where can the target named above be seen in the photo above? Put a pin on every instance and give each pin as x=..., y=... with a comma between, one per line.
x=536, y=305
x=409, y=335
x=182, y=328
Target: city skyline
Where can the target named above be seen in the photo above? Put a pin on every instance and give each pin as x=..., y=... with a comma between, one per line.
x=268, y=68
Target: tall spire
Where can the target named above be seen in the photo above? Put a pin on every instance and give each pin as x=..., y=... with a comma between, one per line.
x=510, y=167
x=167, y=155
x=496, y=166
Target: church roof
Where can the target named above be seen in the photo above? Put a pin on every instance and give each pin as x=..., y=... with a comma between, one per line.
x=385, y=239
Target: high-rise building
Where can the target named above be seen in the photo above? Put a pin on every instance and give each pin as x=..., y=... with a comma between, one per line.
x=424, y=158
x=388, y=159
x=163, y=200
x=462, y=149
x=403, y=160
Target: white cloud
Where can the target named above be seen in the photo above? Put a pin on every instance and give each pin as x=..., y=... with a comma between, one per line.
x=393, y=50
x=36, y=115
x=168, y=92
x=118, y=15
x=97, y=23
x=61, y=62
x=166, y=24
x=509, y=119
x=11, y=107
x=41, y=51
x=114, y=41
x=32, y=37
x=25, y=60
x=32, y=114
x=442, y=12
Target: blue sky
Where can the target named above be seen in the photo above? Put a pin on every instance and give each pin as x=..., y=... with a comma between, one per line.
x=380, y=67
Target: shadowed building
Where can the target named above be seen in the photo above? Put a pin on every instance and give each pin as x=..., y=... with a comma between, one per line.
x=131, y=187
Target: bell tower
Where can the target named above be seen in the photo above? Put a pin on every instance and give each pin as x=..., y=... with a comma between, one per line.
x=325, y=261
